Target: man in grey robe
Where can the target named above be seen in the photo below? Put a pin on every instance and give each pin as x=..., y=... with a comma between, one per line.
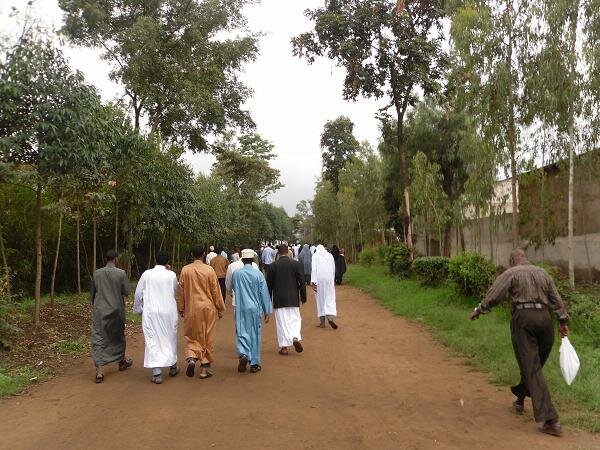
x=109, y=287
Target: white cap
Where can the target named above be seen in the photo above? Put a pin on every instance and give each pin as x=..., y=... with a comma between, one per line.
x=211, y=248
x=248, y=253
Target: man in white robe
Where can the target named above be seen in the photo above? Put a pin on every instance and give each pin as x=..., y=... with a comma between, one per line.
x=210, y=255
x=155, y=300
x=323, y=283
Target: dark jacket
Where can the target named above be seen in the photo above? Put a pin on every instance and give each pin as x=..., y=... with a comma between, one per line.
x=286, y=283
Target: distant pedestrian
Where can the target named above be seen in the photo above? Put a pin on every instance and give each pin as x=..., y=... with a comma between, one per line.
x=323, y=282
x=532, y=295
x=287, y=287
x=109, y=287
x=220, y=263
x=200, y=303
x=252, y=305
x=211, y=254
x=268, y=256
x=340, y=264
x=305, y=258
x=155, y=299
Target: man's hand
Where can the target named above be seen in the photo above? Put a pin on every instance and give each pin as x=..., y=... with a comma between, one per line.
x=314, y=287
x=220, y=314
x=267, y=318
x=563, y=330
x=168, y=266
x=181, y=313
x=475, y=314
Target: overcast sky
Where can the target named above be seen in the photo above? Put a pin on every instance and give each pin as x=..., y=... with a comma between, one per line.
x=291, y=102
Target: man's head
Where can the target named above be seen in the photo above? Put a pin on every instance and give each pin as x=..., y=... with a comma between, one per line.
x=111, y=256
x=283, y=249
x=218, y=250
x=248, y=256
x=162, y=258
x=517, y=256
x=198, y=251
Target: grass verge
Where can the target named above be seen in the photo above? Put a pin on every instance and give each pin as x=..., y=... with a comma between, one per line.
x=486, y=343
x=36, y=355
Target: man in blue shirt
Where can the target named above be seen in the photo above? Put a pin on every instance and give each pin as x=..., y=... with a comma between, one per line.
x=252, y=304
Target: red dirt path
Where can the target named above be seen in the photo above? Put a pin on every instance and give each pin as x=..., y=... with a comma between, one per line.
x=378, y=382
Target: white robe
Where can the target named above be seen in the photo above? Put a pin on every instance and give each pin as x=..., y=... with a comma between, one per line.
x=209, y=257
x=237, y=265
x=155, y=300
x=289, y=324
x=323, y=275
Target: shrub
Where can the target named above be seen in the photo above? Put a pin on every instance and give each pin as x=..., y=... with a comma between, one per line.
x=8, y=331
x=367, y=257
x=398, y=260
x=472, y=273
x=382, y=253
x=430, y=270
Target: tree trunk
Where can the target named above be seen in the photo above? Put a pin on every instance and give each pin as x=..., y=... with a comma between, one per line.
x=129, y=252
x=5, y=263
x=38, y=254
x=94, y=240
x=116, y=226
x=512, y=137
x=150, y=253
x=447, y=241
x=55, y=266
x=573, y=68
x=77, y=239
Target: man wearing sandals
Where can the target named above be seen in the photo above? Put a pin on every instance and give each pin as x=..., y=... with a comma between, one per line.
x=252, y=304
x=287, y=287
x=109, y=287
x=155, y=300
x=200, y=303
x=323, y=283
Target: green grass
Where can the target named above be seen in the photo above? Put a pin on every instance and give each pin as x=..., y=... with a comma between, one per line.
x=486, y=343
x=13, y=381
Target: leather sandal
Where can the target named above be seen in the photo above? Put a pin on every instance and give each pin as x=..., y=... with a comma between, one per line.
x=283, y=351
x=125, y=364
x=243, y=364
x=255, y=368
x=298, y=346
x=99, y=378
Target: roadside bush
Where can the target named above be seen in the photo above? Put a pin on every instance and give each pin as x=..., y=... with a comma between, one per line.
x=398, y=260
x=382, y=253
x=472, y=273
x=367, y=257
x=7, y=330
x=430, y=270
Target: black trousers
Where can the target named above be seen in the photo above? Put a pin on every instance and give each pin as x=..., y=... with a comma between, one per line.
x=223, y=288
x=532, y=334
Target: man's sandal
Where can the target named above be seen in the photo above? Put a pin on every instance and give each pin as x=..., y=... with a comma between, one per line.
x=125, y=364
x=99, y=378
x=255, y=368
x=283, y=351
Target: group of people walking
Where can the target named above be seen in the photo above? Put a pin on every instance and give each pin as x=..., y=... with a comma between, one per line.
x=199, y=295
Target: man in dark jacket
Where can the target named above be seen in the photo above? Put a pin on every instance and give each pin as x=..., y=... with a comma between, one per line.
x=287, y=287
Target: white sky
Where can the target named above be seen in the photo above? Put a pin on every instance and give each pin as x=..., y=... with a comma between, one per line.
x=291, y=102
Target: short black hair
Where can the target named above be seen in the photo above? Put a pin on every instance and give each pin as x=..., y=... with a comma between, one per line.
x=198, y=251
x=283, y=249
x=247, y=260
x=162, y=258
x=218, y=249
x=111, y=255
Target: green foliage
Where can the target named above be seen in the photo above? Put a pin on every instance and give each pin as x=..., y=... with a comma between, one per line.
x=430, y=270
x=367, y=257
x=8, y=331
x=178, y=61
x=472, y=273
x=338, y=146
x=398, y=260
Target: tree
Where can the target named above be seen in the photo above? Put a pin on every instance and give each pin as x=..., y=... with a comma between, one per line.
x=389, y=49
x=491, y=45
x=47, y=113
x=430, y=202
x=173, y=59
x=338, y=146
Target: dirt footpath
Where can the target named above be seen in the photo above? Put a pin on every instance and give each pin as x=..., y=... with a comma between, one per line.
x=377, y=382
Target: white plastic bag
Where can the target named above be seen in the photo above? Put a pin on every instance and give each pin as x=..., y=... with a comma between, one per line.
x=569, y=361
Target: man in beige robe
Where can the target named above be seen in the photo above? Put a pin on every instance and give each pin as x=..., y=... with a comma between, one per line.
x=200, y=303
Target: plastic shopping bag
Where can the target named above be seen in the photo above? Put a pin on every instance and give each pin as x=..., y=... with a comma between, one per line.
x=569, y=361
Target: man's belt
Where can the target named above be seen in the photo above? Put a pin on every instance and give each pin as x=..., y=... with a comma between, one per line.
x=530, y=305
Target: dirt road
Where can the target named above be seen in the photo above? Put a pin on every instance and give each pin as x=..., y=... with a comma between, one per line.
x=377, y=382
